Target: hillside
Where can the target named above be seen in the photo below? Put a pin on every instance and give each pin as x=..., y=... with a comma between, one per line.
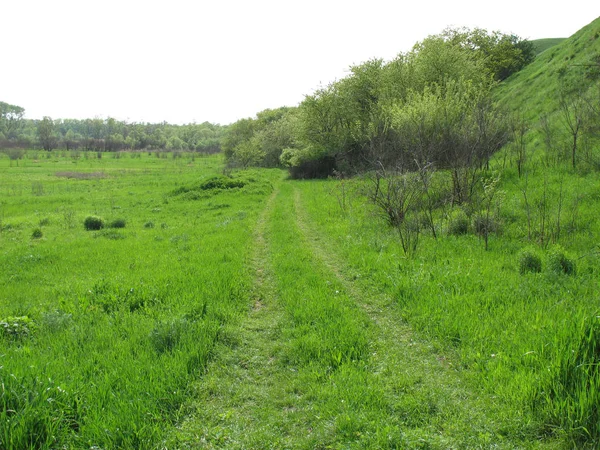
x=544, y=44
x=573, y=64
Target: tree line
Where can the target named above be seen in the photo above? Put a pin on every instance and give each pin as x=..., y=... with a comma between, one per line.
x=103, y=134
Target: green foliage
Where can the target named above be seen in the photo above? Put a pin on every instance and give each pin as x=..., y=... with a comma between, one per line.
x=559, y=262
x=11, y=121
x=37, y=233
x=483, y=225
x=501, y=54
x=529, y=261
x=117, y=223
x=17, y=327
x=458, y=223
x=93, y=223
x=260, y=141
x=108, y=135
x=46, y=133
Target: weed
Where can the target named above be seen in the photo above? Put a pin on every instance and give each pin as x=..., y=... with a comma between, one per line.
x=16, y=328
x=56, y=320
x=166, y=335
x=37, y=233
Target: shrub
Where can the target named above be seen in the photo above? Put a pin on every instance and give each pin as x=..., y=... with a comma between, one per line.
x=15, y=328
x=529, y=261
x=483, y=225
x=558, y=262
x=93, y=223
x=149, y=224
x=37, y=233
x=458, y=224
x=117, y=223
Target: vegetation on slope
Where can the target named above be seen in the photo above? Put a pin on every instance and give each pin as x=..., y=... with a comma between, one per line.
x=544, y=44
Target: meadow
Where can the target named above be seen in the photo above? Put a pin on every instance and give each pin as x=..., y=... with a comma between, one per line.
x=103, y=330
x=252, y=311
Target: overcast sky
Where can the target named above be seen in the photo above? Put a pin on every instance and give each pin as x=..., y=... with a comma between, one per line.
x=193, y=61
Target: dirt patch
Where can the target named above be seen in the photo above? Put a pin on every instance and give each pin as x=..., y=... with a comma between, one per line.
x=81, y=175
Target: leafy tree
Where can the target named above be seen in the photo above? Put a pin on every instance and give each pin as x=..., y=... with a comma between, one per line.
x=11, y=120
x=46, y=133
x=456, y=126
x=502, y=54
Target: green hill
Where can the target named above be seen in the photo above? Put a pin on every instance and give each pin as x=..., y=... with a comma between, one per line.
x=544, y=44
x=572, y=65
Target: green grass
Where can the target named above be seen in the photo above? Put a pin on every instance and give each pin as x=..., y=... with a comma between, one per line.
x=121, y=319
x=513, y=333
x=542, y=45
x=535, y=88
x=253, y=312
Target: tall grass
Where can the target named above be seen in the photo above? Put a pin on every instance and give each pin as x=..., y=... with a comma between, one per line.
x=528, y=337
x=117, y=327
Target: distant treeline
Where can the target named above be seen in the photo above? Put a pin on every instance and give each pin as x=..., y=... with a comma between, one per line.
x=430, y=106
x=103, y=134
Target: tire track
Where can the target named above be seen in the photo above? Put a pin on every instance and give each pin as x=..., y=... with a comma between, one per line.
x=407, y=367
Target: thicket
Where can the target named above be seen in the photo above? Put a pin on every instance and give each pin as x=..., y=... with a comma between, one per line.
x=430, y=105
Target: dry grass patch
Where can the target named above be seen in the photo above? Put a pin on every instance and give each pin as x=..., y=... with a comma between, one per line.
x=81, y=175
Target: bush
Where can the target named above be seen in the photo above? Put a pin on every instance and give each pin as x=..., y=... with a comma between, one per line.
x=14, y=328
x=529, y=261
x=37, y=233
x=149, y=224
x=458, y=224
x=558, y=262
x=93, y=223
x=483, y=225
x=117, y=223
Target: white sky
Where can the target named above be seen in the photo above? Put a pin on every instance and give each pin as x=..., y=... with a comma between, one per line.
x=219, y=61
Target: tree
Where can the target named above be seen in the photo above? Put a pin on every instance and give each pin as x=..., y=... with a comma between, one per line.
x=456, y=126
x=573, y=113
x=502, y=54
x=11, y=120
x=46, y=134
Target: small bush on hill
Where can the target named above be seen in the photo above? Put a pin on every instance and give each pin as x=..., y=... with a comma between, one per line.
x=14, y=328
x=37, y=233
x=558, y=262
x=484, y=225
x=458, y=223
x=93, y=223
x=529, y=261
x=117, y=223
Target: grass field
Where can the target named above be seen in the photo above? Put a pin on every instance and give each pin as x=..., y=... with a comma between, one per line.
x=253, y=311
x=104, y=330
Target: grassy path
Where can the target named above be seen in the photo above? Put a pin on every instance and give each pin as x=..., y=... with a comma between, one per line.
x=322, y=361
